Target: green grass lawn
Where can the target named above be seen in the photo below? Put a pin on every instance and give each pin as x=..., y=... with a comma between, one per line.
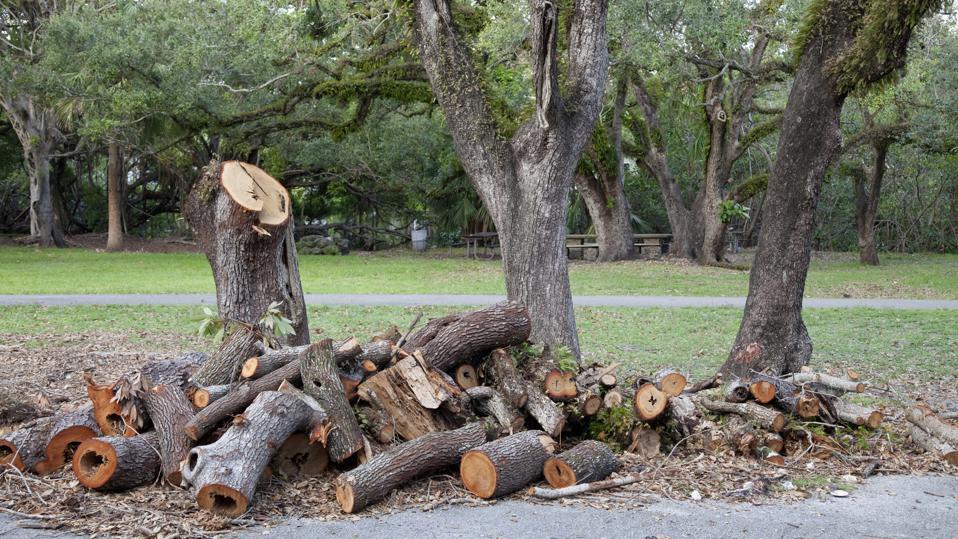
x=25, y=270
x=880, y=344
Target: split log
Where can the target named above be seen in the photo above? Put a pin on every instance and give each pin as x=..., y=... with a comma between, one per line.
x=407, y=393
x=298, y=457
x=489, y=402
x=321, y=381
x=588, y=461
x=241, y=220
x=378, y=424
x=933, y=445
x=223, y=367
x=113, y=463
x=560, y=386
x=477, y=333
x=170, y=411
x=405, y=462
x=238, y=399
x=544, y=411
x=506, y=465
x=649, y=402
x=646, y=442
x=826, y=381
x=24, y=448
x=554, y=494
x=762, y=391
x=929, y=422
x=68, y=431
x=766, y=418
x=736, y=391
x=224, y=474
x=670, y=381
x=502, y=370
x=858, y=415
x=466, y=376
x=205, y=396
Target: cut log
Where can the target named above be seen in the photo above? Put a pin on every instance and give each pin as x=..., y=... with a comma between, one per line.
x=298, y=457
x=650, y=402
x=224, y=474
x=502, y=370
x=588, y=403
x=271, y=359
x=68, y=431
x=238, y=399
x=683, y=416
x=407, y=394
x=544, y=411
x=930, y=423
x=670, y=381
x=466, y=376
x=826, y=381
x=477, y=333
x=588, y=461
x=489, y=402
x=429, y=332
x=506, y=465
x=378, y=353
x=405, y=462
x=803, y=404
x=249, y=243
x=646, y=442
x=321, y=381
x=736, y=391
x=858, y=415
x=762, y=391
x=766, y=418
x=933, y=445
x=114, y=463
x=608, y=380
x=170, y=411
x=205, y=396
x=768, y=455
x=378, y=424
x=774, y=442
x=617, y=397
x=223, y=367
x=25, y=447
x=560, y=386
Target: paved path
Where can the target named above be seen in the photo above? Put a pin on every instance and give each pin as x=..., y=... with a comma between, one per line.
x=449, y=299
x=885, y=507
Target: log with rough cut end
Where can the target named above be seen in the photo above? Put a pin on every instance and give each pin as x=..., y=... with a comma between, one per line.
x=736, y=391
x=502, y=369
x=427, y=454
x=322, y=382
x=933, y=445
x=588, y=403
x=803, y=404
x=224, y=365
x=560, y=385
x=544, y=411
x=114, y=463
x=378, y=424
x=646, y=442
x=762, y=391
x=24, y=448
x=930, y=423
x=298, y=457
x=466, y=376
x=826, y=381
x=202, y=397
x=858, y=415
x=588, y=461
x=766, y=418
x=270, y=359
x=377, y=352
x=650, y=402
x=670, y=381
x=407, y=396
x=683, y=416
x=241, y=220
x=477, y=333
x=774, y=442
x=170, y=411
x=224, y=474
x=506, y=465
x=489, y=402
x=68, y=431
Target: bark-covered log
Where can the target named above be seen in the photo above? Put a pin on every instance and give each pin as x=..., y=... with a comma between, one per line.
x=114, y=463
x=858, y=415
x=506, y=465
x=588, y=461
x=466, y=376
x=24, y=448
x=170, y=411
x=650, y=402
x=201, y=397
x=502, y=370
x=238, y=399
x=774, y=442
x=405, y=462
x=346, y=353
x=803, y=404
x=429, y=332
x=224, y=365
x=588, y=403
x=321, y=381
x=378, y=424
x=766, y=418
x=241, y=219
x=477, y=333
x=66, y=434
x=670, y=381
x=544, y=411
x=377, y=352
x=299, y=457
x=683, y=416
x=224, y=474
x=821, y=381
x=736, y=391
x=930, y=423
x=932, y=444
x=489, y=402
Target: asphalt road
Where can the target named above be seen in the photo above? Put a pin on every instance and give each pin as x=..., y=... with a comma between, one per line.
x=448, y=299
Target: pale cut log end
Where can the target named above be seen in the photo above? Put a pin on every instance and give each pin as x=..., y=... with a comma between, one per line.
x=466, y=376
x=222, y=500
x=591, y=405
x=874, y=419
x=778, y=423
x=249, y=368
x=558, y=473
x=61, y=448
x=345, y=496
x=673, y=383
x=201, y=398
x=762, y=391
x=94, y=463
x=478, y=474
x=650, y=402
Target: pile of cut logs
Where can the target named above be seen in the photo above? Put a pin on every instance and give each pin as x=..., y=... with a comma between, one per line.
x=465, y=390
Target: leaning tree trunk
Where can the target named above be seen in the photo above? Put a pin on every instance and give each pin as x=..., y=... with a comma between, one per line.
x=866, y=206
x=114, y=190
x=241, y=219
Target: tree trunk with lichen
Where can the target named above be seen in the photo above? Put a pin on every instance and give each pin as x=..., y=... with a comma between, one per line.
x=866, y=204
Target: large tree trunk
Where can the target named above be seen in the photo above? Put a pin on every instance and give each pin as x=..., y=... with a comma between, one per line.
x=866, y=205
x=248, y=241
x=114, y=190
x=525, y=182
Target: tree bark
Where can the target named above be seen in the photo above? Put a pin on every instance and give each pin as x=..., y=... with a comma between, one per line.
x=405, y=462
x=115, y=202
x=475, y=334
x=501, y=369
x=765, y=417
x=170, y=411
x=525, y=182
x=24, y=448
x=253, y=263
x=321, y=381
x=489, y=402
x=506, y=465
x=116, y=463
x=223, y=367
x=866, y=204
x=588, y=461
x=68, y=431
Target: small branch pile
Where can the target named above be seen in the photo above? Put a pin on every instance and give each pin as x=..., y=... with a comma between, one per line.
x=465, y=390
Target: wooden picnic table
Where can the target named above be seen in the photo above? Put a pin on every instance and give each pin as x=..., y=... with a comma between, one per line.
x=486, y=239
x=588, y=241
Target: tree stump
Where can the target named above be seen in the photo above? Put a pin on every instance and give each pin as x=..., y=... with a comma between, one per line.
x=506, y=465
x=241, y=219
x=68, y=431
x=477, y=333
x=588, y=461
x=321, y=381
x=224, y=474
x=114, y=463
x=170, y=411
x=427, y=454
